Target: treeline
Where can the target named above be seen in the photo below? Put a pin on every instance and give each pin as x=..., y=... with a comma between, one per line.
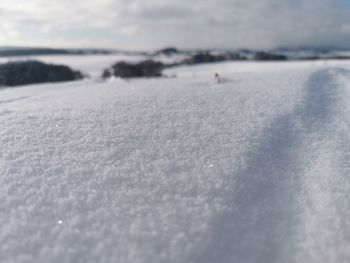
x=14, y=52
x=153, y=68
x=32, y=72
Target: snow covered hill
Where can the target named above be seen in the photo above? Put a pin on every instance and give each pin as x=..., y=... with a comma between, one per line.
x=254, y=169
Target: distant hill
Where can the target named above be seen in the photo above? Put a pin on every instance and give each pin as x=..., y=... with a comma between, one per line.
x=25, y=51
x=173, y=55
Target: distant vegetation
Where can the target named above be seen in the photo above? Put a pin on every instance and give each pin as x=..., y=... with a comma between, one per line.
x=31, y=72
x=207, y=57
x=169, y=51
x=20, y=73
x=147, y=68
x=13, y=52
x=193, y=57
x=31, y=51
x=264, y=56
x=154, y=68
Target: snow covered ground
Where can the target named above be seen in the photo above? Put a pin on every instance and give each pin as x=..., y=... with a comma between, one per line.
x=254, y=169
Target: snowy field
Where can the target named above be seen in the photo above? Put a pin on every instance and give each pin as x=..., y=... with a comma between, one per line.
x=179, y=170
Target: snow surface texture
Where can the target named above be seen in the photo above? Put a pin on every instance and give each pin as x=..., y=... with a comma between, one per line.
x=255, y=169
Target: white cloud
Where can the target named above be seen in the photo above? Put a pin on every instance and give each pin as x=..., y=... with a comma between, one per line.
x=192, y=23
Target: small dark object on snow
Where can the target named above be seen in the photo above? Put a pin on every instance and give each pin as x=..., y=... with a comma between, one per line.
x=217, y=77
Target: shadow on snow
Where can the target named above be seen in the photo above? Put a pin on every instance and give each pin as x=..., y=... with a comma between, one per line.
x=264, y=204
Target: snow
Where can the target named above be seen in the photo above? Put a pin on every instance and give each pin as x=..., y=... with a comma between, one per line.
x=183, y=169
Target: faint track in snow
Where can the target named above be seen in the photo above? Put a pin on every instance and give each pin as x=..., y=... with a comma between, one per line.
x=326, y=220
x=13, y=100
x=4, y=111
x=272, y=196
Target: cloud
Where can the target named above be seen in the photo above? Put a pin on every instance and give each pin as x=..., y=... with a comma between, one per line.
x=145, y=24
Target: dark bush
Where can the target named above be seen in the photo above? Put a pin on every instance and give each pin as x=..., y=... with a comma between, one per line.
x=268, y=56
x=106, y=74
x=148, y=68
x=169, y=51
x=235, y=56
x=31, y=72
x=206, y=57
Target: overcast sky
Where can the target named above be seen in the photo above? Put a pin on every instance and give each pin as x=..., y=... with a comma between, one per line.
x=151, y=24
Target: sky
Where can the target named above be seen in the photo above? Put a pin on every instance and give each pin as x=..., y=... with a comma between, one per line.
x=153, y=24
